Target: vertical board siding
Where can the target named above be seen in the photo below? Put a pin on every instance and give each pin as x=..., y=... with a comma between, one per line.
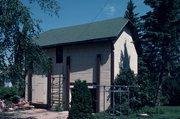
x=39, y=89
x=83, y=64
x=125, y=40
x=83, y=61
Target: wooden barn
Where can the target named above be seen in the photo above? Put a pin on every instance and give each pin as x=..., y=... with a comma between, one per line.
x=94, y=52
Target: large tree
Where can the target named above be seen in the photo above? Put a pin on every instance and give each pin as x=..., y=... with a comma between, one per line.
x=18, y=28
x=161, y=45
x=136, y=25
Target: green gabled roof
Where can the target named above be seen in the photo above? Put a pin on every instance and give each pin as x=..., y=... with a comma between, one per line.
x=85, y=32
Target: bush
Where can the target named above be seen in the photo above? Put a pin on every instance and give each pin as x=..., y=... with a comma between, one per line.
x=9, y=94
x=15, y=99
x=81, y=104
x=127, y=78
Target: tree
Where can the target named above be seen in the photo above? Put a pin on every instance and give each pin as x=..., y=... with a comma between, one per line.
x=161, y=46
x=136, y=25
x=129, y=13
x=143, y=95
x=18, y=52
x=81, y=103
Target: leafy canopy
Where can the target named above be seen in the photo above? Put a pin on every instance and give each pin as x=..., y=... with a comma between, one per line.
x=18, y=51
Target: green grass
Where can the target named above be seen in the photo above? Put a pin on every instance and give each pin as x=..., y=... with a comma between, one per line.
x=163, y=112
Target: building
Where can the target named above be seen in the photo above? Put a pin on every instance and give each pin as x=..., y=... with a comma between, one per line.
x=94, y=52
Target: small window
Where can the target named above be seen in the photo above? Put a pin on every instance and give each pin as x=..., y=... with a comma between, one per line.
x=59, y=55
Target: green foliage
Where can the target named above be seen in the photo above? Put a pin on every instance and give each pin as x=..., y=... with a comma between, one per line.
x=9, y=94
x=129, y=14
x=81, y=104
x=136, y=23
x=1, y=82
x=49, y=6
x=127, y=78
x=18, y=52
x=140, y=96
x=161, y=48
x=146, y=90
x=171, y=87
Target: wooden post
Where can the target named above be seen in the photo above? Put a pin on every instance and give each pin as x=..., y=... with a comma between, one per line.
x=98, y=65
x=30, y=86
x=49, y=88
x=67, y=81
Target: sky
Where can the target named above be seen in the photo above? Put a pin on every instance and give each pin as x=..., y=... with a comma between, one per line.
x=75, y=12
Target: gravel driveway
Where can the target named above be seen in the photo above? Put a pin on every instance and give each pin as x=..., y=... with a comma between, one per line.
x=41, y=114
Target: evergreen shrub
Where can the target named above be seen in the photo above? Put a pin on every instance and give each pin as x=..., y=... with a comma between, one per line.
x=128, y=78
x=81, y=103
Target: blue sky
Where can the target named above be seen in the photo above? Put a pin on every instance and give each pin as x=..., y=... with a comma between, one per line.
x=75, y=12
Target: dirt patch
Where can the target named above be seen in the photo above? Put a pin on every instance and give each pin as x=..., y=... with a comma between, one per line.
x=39, y=114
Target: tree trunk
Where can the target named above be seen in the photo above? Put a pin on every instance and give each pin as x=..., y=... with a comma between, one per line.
x=158, y=100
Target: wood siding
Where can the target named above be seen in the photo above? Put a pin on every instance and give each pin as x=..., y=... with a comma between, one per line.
x=83, y=65
x=125, y=52
x=83, y=61
x=39, y=89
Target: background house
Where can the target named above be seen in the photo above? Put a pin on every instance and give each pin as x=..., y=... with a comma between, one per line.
x=94, y=52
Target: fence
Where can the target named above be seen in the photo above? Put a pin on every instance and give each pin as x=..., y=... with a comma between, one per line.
x=116, y=99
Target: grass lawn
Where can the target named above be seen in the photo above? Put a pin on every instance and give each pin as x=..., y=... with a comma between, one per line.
x=163, y=112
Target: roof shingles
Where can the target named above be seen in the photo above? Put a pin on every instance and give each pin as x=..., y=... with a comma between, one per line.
x=95, y=30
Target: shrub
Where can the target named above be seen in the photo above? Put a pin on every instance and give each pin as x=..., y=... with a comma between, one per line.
x=9, y=94
x=15, y=99
x=81, y=104
x=127, y=78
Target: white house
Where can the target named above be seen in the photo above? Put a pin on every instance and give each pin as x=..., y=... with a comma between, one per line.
x=93, y=52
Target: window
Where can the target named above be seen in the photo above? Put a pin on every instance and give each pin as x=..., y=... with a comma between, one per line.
x=59, y=55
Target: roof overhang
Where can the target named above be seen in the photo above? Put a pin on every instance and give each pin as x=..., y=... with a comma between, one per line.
x=79, y=42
